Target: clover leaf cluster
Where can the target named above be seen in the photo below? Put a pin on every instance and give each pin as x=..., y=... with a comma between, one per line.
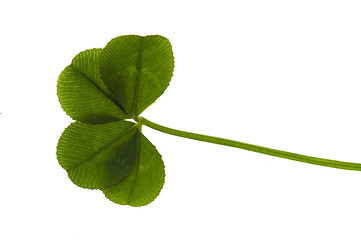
x=102, y=89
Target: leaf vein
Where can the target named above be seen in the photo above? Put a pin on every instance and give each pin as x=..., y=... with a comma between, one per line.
x=137, y=80
x=105, y=94
x=91, y=157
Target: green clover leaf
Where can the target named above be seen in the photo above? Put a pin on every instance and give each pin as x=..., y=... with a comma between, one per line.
x=83, y=94
x=137, y=70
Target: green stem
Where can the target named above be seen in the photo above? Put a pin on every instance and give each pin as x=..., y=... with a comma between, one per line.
x=251, y=147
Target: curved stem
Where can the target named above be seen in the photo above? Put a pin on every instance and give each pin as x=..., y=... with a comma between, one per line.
x=251, y=147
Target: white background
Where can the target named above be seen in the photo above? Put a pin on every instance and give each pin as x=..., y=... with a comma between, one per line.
x=281, y=74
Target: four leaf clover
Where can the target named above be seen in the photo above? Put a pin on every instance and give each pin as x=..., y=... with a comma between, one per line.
x=101, y=89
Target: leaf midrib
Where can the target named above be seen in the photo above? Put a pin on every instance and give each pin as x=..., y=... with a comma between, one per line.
x=97, y=87
x=113, y=141
x=137, y=79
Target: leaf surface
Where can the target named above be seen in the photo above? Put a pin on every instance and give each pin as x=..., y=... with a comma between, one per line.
x=137, y=70
x=83, y=95
x=98, y=156
x=145, y=181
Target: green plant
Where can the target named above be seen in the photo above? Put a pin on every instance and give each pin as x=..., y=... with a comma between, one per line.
x=101, y=89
